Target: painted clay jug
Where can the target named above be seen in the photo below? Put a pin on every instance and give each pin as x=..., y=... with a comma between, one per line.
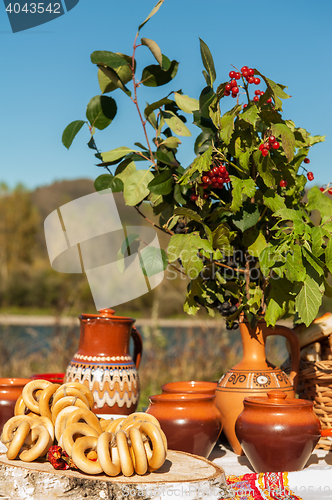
x=191, y=422
x=277, y=433
x=254, y=375
x=103, y=362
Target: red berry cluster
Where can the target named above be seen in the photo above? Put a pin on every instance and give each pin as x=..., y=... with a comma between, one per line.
x=324, y=189
x=258, y=94
x=270, y=143
x=232, y=86
x=215, y=178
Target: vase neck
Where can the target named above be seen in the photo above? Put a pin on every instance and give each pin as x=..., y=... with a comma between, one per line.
x=253, y=342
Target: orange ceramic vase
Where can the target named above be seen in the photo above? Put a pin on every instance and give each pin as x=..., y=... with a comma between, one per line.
x=103, y=363
x=254, y=376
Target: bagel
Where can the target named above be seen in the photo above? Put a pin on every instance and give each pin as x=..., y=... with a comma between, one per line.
x=78, y=430
x=105, y=422
x=159, y=450
x=63, y=403
x=29, y=393
x=42, y=441
x=70, y=391
x=20, y=407
x=84, y=389
x=108, y=454
x=113, y=424
x=87, y=416
x=61, y=421
x=144, y=417
x=18, y=440
x=11, y=427
x=79, y=458
x=45, y=398
x=138, y=451
x=126, y=462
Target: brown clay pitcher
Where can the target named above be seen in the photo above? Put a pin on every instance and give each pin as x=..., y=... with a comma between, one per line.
x=277, y=433
x=103, y=363
x=254, y=375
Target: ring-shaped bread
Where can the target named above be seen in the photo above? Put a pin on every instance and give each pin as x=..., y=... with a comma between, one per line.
x=138, y=451
x=82, y=414
x=159, y=450
x=112, y=425
x=18, y=440
x=78, y=429
x=20, y=407
x=11, y=426
x=126, y=462
x=79, y=457
x=139, y=415
x=66, y=401
x=45, y=400
x=83, y=388
x=29, y=393
x=108, y=455
x=70, y=391
x=61, y=421
x=42, y=441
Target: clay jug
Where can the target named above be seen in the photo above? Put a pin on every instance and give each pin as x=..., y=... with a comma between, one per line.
x=277, y=433
x=254, y=375
x=103, y=362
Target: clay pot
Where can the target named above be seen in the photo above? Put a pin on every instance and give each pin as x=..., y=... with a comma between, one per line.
x=10, y=390
x=191, y=422
x=254, y=375
x=277, y=433
x=55, y=378
x=103, y=363
x=190, y=387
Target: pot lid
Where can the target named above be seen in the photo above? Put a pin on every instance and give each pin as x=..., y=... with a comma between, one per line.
x=278, y=398
x=105, y=314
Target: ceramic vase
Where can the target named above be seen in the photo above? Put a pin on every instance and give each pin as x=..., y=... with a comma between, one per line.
x=10, y=390
x=254, y=375
x=277, y=433
x=103, y=362
x=191, y=422
x=190, y=387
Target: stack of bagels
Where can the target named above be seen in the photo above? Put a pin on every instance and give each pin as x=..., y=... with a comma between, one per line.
x=47, y=414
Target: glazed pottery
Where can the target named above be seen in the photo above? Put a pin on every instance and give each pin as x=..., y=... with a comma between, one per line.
x=254, y=375
x=103, y=362
x=277, y=433
x=190, y=387
x=55, y=378
x=10, y=390
x=191, y=422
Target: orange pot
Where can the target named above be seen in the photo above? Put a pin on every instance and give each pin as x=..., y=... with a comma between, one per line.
x=191, y=422
x=190, y=387
x=10, y=390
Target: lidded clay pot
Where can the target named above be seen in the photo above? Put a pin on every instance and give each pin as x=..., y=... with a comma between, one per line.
x=190, y=387
x=191, y=422
x=277, y=434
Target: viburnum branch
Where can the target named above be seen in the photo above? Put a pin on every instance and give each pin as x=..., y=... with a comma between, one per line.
x=153, y=223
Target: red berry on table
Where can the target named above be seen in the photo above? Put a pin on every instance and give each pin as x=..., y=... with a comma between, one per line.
x=237, y=76
x=283, y=183
x=256, y=98
x=276, y=145
x=227, y=92
x=251, y=79
x=306, y=160
x=251, y=72
x=272, y=139
x=193, y=197
x=322, y=189
x=310, y=176
x=265, y=152
x=232, y=74
x=257, y=81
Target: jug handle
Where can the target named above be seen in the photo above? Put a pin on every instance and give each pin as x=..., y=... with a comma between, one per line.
x=294, y=343
x=138, y=346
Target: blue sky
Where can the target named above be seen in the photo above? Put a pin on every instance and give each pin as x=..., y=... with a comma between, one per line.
x=47, y=78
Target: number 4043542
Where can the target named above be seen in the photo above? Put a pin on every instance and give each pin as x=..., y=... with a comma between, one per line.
x=34, y=8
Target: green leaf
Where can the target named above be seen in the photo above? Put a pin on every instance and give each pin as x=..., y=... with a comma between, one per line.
x=125, y=169
x=155, y=105
x=70, y=132
x=273, y=200
x=100, y=111
x=328, y=255
x=200, y=164
x=255, y=241
x=277, y=300
x=162, y=183
x=247, y=217
x=265, y=168
x=308, y=300
x=171, y=142
x=136, y=187
x=328, y=289
x=110, y=59
x=167, y=158
x=287, y=139
x=103, y=182
x=314, y=262
x=206, y=98
x=186, y=247
x=186, y=103
x=122, y=73
x=117, y=153
x=152, y=260
x=295, y=270
x=113, y=77
x=154, y=76
x=152, y=13
x=318, y=201
x=187, y=212
x=221, y=236
x=241, y=187
x=250, y=115
x=207, y=60
x=244, y=159
x=155, y=50
x=175, y=123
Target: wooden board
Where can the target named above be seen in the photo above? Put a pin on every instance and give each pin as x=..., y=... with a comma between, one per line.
x=182, y=476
